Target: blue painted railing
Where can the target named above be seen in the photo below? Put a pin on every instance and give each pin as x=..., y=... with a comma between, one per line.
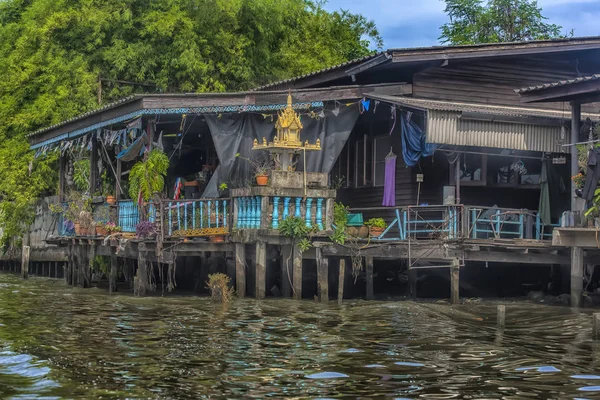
x=130, y=216
x=431, y=222
x=543, y=232
x=201, y=217
x=251, y=212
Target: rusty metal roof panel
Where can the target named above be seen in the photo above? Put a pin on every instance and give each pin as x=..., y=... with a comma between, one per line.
x=551, y=85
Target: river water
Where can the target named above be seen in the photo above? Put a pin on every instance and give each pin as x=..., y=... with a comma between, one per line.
x=62, y=342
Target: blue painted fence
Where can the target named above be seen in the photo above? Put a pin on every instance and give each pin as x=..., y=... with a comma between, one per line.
x=129, y=215
x=202, y=217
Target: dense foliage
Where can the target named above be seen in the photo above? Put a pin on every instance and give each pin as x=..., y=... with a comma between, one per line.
x=53, y=52
x=493, y=21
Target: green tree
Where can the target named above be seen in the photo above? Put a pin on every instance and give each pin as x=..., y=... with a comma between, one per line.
x=52, y=53
x=494, y=21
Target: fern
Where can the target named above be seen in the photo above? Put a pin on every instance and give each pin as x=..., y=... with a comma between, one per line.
x=148, y=176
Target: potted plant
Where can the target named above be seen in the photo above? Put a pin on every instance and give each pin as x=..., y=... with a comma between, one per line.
x=376, y=226
x=101, y=229
x=148, y=176
x=262, y=168
x=79, y=210
x=112, y=228
x=223, y=190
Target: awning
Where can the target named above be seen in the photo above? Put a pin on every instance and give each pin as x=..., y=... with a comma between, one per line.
x=483, y=125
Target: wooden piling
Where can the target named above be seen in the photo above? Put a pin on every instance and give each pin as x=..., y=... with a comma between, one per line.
x=261, y=269
x=341, y=279
x=286, y=273
x=576, y=276
x=413, y=275
x=230, y=267
x=596, y=326
x=455, y=282
x=369, y=271
x=112, y=277
x=297, y=273
x=501, y=316
x=25, y=262
x=240, y=269
x=322, y=276
x=69, y=269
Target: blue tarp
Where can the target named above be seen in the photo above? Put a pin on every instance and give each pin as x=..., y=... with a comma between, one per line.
x=135, y=150
x=414, y=145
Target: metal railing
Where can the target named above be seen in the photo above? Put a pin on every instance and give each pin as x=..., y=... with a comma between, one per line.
x=130, y=216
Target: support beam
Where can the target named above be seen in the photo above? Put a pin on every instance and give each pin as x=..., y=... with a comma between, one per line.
x=112, y=277
x=297, y=273
x=369, y=270
x=240, y=269
x=576, y=276
x=62, y=180
x=575, y=127
x=25, y=262
x=341, y=280
x=286, y=270
x=55, y=269
x=322, y=276
x=261, y=269
x=457, y=179
x=455, y=282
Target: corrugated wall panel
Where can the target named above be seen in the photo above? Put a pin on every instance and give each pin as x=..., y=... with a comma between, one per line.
x=446, y=127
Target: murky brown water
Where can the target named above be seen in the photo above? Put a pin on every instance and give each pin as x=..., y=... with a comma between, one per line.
x=60, y=342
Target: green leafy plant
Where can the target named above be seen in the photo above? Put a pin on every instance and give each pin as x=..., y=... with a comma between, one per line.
x=81, y=175
x=101, y=264
x=223, y=187
x=296, y=229
x=376, y=223
x=340, y=221
x=79, y=209
x=148, y=175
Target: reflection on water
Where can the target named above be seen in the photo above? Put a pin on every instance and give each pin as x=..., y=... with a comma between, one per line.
x=61, y=342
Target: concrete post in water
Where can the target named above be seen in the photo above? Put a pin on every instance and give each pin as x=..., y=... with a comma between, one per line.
x=341, y=280
x=112, y=277
x=297, y=273
x=322, y=276
x=240, y=269
x=455, y=282
x=25, y=262
x=576, y=276
x=500, y=318
x=369, y=271
x=261, y=269
x=286, y=270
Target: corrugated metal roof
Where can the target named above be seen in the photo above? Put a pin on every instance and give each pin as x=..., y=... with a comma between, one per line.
x=321, y=71
x=427, y=104
x=558, y=84
x=447, y=127
x=468, y=48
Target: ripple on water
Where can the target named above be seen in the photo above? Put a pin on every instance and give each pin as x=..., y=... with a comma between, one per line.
x=544, y=368
x=586, y=377
x=409, y=364
x=590, y=389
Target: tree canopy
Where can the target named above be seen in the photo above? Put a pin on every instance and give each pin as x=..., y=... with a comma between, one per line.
x=52, y=53
x=476, y=21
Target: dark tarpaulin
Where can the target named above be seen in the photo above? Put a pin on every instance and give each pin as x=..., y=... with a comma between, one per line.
x=414, y=144
x=544, y=204
x=234, y=133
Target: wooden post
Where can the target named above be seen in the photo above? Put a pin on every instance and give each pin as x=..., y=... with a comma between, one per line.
x=112, y=277
x=62, y=181
x=230, y=265
x=240, y=269
x=286, y=274
x=261, y=269
x=575, y=127
x=457, y=179
x=576, y=276
x=69, y=269
x=596, y=326
x=94, y=163
x=118, y=184
x=25, y=262
x=322, y=276
x=297, y=273
x=413, y=275
x=341, y=280
x=369, y=271
x=500, y=318
x=455, y=282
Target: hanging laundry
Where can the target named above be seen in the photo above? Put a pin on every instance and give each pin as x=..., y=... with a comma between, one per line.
x=133, y=151
x=414, y=142
x=389, y=183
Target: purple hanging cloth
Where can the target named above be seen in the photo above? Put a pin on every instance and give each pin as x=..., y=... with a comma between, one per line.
x=389, y=184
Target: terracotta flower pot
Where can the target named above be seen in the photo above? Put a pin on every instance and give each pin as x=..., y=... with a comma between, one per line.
x=78, y=229
x=217, y=239
x=112, y=200
x=101, y=231
x=262, y=180
x=375, y=232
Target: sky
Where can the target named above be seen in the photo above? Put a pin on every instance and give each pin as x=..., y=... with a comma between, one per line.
x=414, y=23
